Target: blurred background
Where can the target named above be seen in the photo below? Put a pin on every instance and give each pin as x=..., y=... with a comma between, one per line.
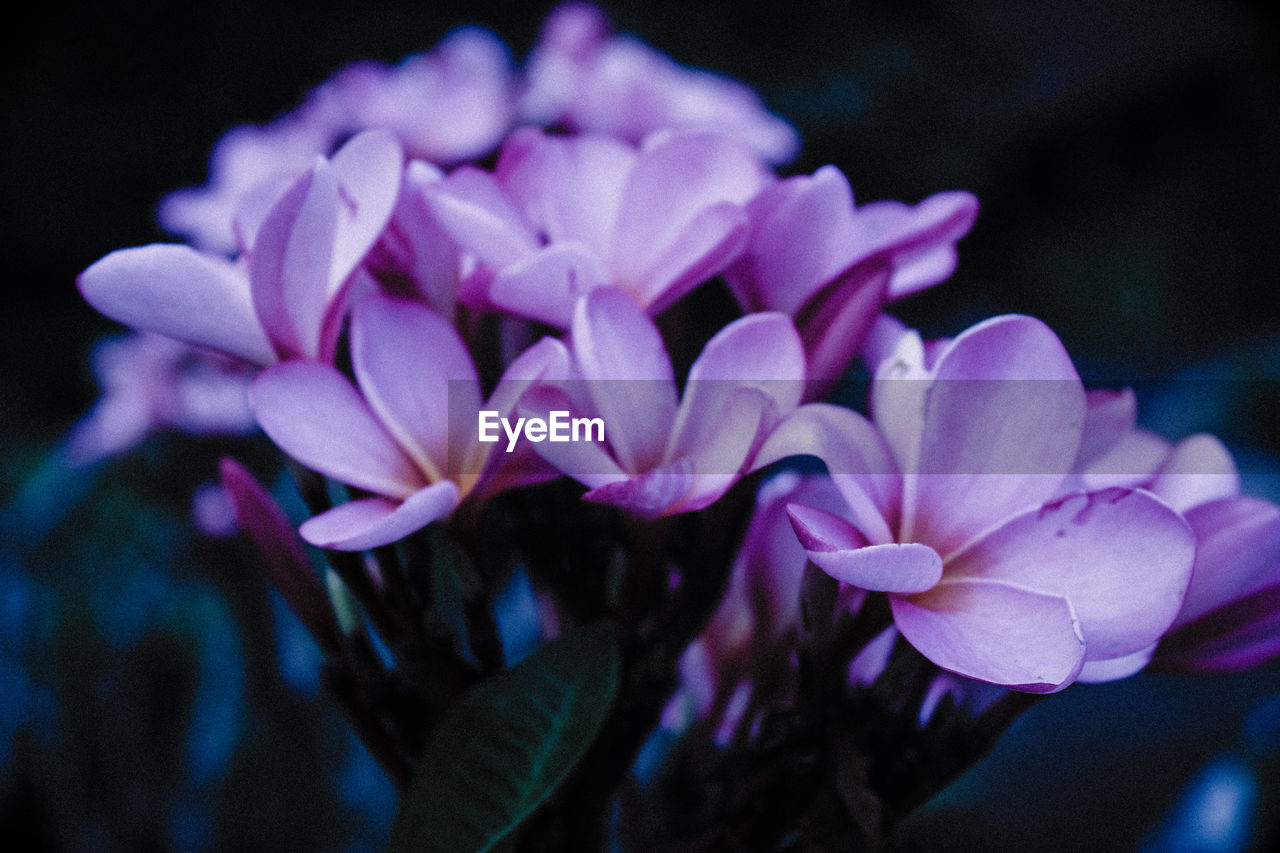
x=155, y=696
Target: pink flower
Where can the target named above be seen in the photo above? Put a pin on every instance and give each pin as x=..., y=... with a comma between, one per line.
x=151, y=382
x=587, y=80
x=560, y=217
x=814, y=255
x=286, y=297
x=954, y=510
x=406, y=432
x=451, y=104
x=661, y=456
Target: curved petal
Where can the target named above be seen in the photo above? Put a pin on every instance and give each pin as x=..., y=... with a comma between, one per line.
x=585, y=461
x=994, y=631
x=372, y=522
x=707, y=245
x=417, y=375
x=649, y=495
x=368, y=169
x=1123, y=558
x=1114, y=669
x=1238, y=552
x=856, y=457
x=836, y=547
x=176, y=291
x=629, y=377
x=760, y=351
x=291, y=260
x=472, y=208
x=673, y=181
x=568, y=188
x=1001, y=430
x=1240, y=635
x=547, y=284
x=1198, y=470
x=1109, y=416
x=316, y=416
x=719, y=460
x=837, y=320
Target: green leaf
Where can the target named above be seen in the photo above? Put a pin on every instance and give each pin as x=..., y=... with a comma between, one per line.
x=507, y=744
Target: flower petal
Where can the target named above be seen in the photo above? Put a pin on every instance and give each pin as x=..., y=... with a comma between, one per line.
x=629, y=377
x=1121, y=557
x=372, y=522
x=417, y=375
x=649, y=495
x=1238, y=552
x=475, y=211
x=179, y=292
x=289, y=267
x=760, y=351
x=1001, y=430
x=1114, y=669
x=585, y=461
x=856, y=457
x=318, y=418
x=547, y=284
x=1241, y=635
x=1198, y=470
x=675, y=179
x=368, y=170
x=994, y=631
x=836, y=547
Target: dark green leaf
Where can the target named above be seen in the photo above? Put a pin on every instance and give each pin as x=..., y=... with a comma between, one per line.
x=507, y=744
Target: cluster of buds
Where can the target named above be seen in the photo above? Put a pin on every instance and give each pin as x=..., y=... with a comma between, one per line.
x=459, y=293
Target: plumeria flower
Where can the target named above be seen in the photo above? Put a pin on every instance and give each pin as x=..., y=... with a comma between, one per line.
x=1230, y=617
x=150, y=382
x=954, y=510
x=405, y=432
x=582, y=77
x=831, y=265
x=559, y=217
x=286, y=297
x=448, y=105
x=662, y=455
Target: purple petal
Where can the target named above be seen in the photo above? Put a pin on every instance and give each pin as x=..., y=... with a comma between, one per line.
x=799, y=241
x=1200, y=469
x=568, y=188
x=289, y=267
x=994, y=631
x=178, y=292
x=318, y=418
x=1109, y=417
x=417, y=375
x=547, y=284
x=836, y=547
x=836, y=321
x=1114, y=669
x=760, y=351
x=1131, y=461
x=1121, y=557
x=1238, y=552
x=474, y=210
x=856, y=457
x=922, y=242
x=721, y=457
x=708, y=244
x=648, y=495
x=674, y=180
x=368, y=170
x=585, y=461
x=372, y=522
x=1241, y=635
x=1001, y=430
x=621, y=354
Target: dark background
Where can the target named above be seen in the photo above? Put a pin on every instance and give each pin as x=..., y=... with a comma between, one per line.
x=1127, y=157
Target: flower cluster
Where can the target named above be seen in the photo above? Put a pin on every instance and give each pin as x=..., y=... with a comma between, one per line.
x=488, y=242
